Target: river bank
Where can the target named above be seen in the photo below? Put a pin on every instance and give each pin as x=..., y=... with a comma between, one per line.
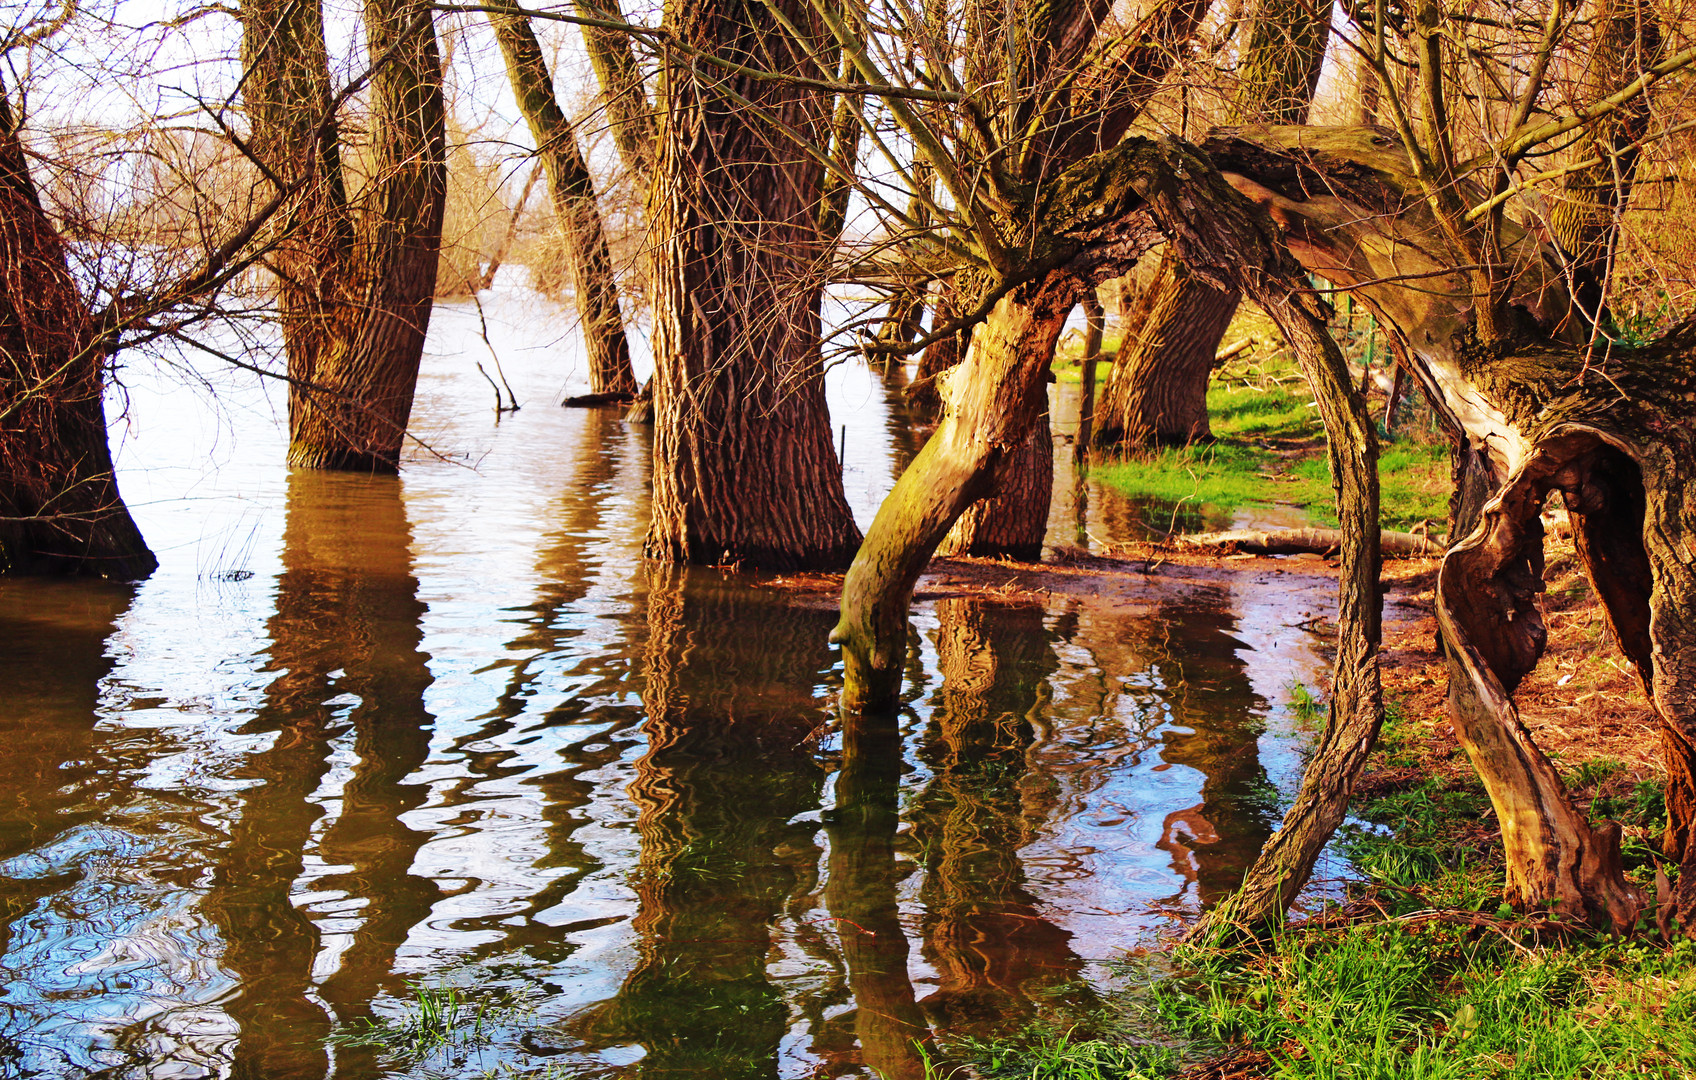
x=1420, y=970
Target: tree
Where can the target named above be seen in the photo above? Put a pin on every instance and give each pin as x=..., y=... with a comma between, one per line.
x=1157, y=393
x=575, y=208
x=355, y=273
x=744, y=466
x=60, y=510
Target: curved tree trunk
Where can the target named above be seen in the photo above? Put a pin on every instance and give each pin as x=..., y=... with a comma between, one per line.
x=991, y=403
x=356, y=282
x=60, y=510
x=1610, y=432
x=575, y=208
x=744, y=466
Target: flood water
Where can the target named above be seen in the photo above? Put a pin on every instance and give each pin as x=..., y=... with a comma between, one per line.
x=362, y=740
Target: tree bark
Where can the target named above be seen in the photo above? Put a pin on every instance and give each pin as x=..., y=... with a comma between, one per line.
x=623, y=94
x=1156, y=394
x=575, y=208
x=60, y=510
x=357, y=282
x=941, y=354
x=744, y=466
x=991, y=404
x=1094, y=325
x=1545, y=414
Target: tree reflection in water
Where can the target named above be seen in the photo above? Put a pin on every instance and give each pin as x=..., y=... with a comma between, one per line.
x=346, y=627
x=731, y=720
x=983, y=930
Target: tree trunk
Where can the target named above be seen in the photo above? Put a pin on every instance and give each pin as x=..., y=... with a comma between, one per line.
x=575, y=208
x=991, y=403
x=1609, y=432
x=744, y=466
x=1356, y=706
x=1157, y=392
x=1011, y=523
x=623, y=95
x=940, y=355
x=357, y=282
x=1095, y=324
x=60, y=511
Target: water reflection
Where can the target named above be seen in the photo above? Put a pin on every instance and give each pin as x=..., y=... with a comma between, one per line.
x=346, y=706
x=860, y=894
x=452, y=731
x=983, y=930
x=730, y=726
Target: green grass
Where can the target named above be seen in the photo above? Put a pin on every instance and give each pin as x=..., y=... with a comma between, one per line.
x=1268, y=449
x=438, y=1019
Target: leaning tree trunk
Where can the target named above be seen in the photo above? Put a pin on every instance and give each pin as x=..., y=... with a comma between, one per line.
x=60, y=510
x=575, y=207
x=991, y=403
x=744, y=466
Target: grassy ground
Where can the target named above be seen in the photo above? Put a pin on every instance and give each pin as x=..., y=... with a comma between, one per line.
x=1269, y=447
x=1424, y=973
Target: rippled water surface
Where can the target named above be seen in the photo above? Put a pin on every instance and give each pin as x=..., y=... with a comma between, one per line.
x=368, y=747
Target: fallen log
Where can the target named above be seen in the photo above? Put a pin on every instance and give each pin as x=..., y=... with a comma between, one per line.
x=594, y=401
x=1398, y=545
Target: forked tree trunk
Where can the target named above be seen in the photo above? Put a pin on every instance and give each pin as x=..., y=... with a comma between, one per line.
x=1611, y=432
x=356, y=282
x=744, y=466
x=60, y=511
x=575, y=208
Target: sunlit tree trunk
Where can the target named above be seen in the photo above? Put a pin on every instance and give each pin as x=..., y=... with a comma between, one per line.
x=744, y=464
x=575, y=209
x=1157, y=394
x=60, y=510
x=357, y=278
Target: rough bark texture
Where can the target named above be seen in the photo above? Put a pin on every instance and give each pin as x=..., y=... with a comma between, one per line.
x=991, y=403
x=356, y=282
x=744, y=466
x=1356, y=706
x=1157, y=391
x=60, y=510
x=575, y=209
x=1610, y=431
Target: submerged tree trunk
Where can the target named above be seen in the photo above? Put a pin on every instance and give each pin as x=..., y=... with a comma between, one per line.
x=357, y=282
x=744, y=466
x=575, y=208
x=991, y=403
x=60, y=511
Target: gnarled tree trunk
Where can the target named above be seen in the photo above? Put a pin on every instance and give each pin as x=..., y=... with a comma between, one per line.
x=579, y=216
x=60, y=511
x=744, y=466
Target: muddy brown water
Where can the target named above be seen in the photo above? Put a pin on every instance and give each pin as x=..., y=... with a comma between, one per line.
x=366, y=751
